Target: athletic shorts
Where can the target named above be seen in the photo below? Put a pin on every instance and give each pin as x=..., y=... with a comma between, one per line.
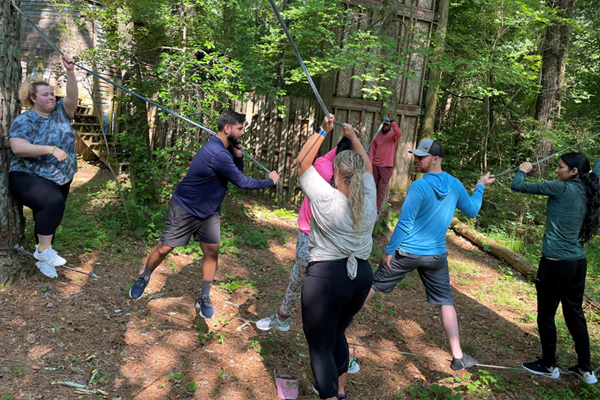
x=432, y=269
x=181, y=225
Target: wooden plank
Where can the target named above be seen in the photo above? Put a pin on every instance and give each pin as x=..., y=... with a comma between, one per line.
x=283, y=141
x=296, y=143
x=368, y=127
x=414, y=86
x=292, y=132
x=260, y=128
x=357, y=84
x=273, y=144
x=373, y=106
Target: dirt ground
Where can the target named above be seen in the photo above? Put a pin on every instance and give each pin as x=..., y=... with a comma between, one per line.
x=75, y=329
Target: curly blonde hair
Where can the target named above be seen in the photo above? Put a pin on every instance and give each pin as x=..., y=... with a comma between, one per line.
x=351, y=167
x=28, y=90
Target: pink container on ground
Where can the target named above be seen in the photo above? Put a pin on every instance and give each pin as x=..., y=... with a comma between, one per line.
x=287, y=386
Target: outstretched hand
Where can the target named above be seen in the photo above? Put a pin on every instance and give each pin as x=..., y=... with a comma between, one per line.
x=390, y=115
x=275, y=176
x=526, y=167
x=487, y=179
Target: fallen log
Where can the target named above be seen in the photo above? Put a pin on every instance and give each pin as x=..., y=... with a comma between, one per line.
x=512, y=258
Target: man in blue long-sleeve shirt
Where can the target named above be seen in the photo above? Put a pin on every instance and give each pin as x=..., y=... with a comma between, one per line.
x=195, y=206
x=419, y=239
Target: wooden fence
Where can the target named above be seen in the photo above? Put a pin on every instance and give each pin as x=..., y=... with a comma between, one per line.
x=274, y=137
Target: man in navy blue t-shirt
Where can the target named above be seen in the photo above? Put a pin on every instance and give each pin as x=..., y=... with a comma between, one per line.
x=196, y=204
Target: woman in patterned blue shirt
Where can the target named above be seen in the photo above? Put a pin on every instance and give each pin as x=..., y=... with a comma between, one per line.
x=45, y=160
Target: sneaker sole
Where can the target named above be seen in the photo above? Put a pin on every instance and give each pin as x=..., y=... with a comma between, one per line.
x=354, y=370
x=542, y=373
x=135, y=298
x=204, y=316
x=590, y=382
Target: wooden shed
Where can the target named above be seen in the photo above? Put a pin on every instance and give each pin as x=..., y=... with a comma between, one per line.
x=277, y=140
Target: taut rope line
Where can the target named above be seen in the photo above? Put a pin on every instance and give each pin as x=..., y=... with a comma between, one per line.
x=550, y=156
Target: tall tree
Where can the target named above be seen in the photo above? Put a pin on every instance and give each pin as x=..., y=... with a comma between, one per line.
x=554, y=61
x=435, y=73
x=12, y=223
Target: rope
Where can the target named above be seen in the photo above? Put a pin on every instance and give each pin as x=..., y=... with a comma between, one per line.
x=212, y=133
x=302, y=65
x=550, y=156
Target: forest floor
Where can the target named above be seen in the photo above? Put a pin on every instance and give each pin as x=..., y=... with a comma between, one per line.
x=75, y=329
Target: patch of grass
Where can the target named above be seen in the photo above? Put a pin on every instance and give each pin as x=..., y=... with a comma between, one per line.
x=285, y=213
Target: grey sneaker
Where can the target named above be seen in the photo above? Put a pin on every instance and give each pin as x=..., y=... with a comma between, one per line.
x=353, y=366
x=539, y=367
x=273, y=322
x=462, y=363
x=586, y=376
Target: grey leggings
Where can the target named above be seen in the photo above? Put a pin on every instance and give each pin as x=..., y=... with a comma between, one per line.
x=294, y=289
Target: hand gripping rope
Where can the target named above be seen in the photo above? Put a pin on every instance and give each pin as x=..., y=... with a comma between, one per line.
x=310, y=81
x=546, y=158
x=244, y=152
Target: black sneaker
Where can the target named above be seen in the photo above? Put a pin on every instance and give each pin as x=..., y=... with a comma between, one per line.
x=539, y=367
x=586, y=376
x=462, y=363
x=205, y=306
x=137, y=290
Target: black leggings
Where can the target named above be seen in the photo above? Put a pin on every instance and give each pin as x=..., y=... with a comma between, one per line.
x=45, y=198
x=329, y=302
x=562, y=281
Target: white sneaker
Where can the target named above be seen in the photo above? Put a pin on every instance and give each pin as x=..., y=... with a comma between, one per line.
x=273, y=322
x=49, y=256
x=46, y=269
x=353, y=366
x=586, y=376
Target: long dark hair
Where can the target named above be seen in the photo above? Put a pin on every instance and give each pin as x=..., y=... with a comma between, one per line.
x=592, y=191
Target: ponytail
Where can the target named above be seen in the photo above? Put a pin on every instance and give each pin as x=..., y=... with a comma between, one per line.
x=592, y=191
x=351, y=167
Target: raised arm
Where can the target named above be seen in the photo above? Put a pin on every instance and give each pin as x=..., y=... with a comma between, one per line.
x=72, y=97
x=358, y=147
x=395, y=128
x=311, y=147
x=552, y=188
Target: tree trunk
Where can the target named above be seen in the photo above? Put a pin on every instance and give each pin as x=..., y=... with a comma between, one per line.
x=12, y=223
x=554, y=57
x=435, y=75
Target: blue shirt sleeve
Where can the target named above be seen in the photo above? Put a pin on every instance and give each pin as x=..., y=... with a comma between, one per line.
x=469, y=206
x=406, y=221
x=239, y=163
x=224, y=165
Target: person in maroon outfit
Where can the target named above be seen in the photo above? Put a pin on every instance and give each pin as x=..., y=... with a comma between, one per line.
x=381, y=155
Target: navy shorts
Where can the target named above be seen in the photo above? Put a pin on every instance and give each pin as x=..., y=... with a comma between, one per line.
x=181, y=225
x=432, y=269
